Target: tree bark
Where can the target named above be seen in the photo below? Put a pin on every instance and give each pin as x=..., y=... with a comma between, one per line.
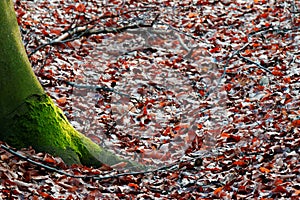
x=28, y=117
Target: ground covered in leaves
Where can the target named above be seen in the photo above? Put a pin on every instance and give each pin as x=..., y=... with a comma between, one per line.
x=205, y=91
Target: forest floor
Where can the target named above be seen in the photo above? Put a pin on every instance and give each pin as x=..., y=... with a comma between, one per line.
x=206, y=92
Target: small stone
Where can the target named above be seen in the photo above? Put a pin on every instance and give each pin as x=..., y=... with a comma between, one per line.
x=264, y=80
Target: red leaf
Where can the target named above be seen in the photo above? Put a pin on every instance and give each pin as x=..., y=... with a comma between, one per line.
x=264, y=15
x=145, y=112
x=214, y=50
x=267, y=24
x=277, y=73
x=45, y=32
x=166, y=131
x=202, y=92
x=296, y=123
x=71, y=7
x=44, y=194
x=55, y=31
x=280, y=189
x=287, y=79
x=278, y=182
x=135, y=186
x=80, y=7
x=228, y=87
x=288, y=98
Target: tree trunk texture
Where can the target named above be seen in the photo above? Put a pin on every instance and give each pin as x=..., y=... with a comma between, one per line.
x=28, y=117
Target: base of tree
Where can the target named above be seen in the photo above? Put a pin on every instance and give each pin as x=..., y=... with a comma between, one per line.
x=42, y=125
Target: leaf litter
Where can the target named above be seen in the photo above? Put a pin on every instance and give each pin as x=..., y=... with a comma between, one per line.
x=193, y=89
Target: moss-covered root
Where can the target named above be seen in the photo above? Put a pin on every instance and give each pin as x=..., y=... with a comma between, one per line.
x=42, y=125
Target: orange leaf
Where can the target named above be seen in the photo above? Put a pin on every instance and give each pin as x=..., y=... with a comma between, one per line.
x=162, y=104
x=4, y=157
x=218, y=190
x=239, y=163
x=264, y=170
x=259, y=1
x=191, y=15
x=190, y=25
x=61, y=101
x=297, y=192
x=135, y=186
x=256, y=44
x=225, y=135
x=247, y=52
x=221, y=157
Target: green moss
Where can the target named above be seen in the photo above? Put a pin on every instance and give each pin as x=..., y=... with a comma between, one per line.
x=42, y=125
x=39, y=123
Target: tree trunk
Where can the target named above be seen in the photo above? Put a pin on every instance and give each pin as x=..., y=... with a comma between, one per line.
x=28, y=117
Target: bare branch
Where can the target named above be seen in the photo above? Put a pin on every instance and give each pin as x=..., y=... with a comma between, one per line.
x=255, y=63
x=8, y=149
x=95, y=177
x=80, y=31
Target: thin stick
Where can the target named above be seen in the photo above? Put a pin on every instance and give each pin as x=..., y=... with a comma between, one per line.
x=255, y=63
x=95, y=177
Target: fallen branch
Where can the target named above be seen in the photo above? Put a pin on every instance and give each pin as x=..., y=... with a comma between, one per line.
x=95, y=177
x=8, y=149
x=255, y=63
x=272, y=29
x=93, y=87
x=80, y=31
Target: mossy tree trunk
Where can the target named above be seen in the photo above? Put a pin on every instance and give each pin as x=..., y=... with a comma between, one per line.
x=28, y=117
